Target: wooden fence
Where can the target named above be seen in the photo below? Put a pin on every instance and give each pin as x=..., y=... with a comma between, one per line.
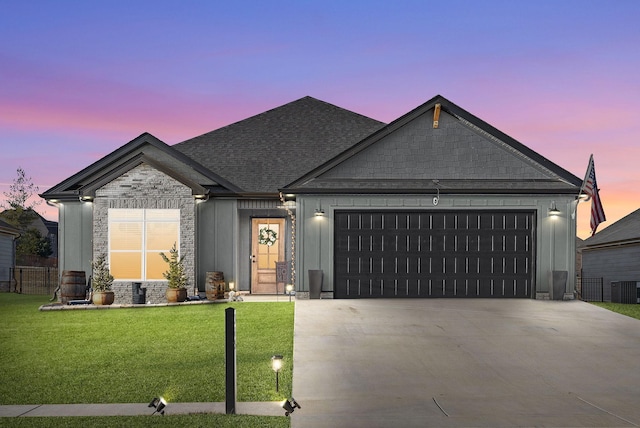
x=35, y=280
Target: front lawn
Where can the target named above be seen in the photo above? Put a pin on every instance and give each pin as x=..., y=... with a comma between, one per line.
x=629, y=310
x=132, y=355
x=168, y=421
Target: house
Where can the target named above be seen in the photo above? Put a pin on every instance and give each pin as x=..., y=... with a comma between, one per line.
x=437, y=203
x=46, y=228
x=613, y=254
x=8, y=236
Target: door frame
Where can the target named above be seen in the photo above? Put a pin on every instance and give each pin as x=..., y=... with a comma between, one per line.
x=255, y=271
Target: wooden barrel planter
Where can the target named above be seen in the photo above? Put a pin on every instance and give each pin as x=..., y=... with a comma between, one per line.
x=176, y=295
x=73, y=285
x=215, y=286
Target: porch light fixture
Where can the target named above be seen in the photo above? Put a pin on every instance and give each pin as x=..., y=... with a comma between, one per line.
x=289, y=406
x=553, y=210
x=86, y=198
x=276, y=365
x=319, y=212
x=201, y=197
x=159, y=404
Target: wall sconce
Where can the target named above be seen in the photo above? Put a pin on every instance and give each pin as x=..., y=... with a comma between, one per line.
x=319, y=212
x=553, y=211
x=159, y=404
x=289, y=406
x=276, y=365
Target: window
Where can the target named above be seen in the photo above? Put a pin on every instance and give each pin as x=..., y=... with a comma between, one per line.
x=136, y=239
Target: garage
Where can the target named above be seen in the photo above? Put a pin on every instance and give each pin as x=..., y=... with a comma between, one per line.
x=428, y=254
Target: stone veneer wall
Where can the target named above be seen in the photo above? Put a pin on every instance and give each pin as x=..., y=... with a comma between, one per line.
x=145, y=187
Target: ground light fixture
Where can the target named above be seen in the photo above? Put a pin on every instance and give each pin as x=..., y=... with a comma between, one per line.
x=159, y=404
x=289, y=406
x=276, y=365
x=289, y=289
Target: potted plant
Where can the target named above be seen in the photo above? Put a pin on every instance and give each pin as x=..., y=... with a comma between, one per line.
x=177, y=291
x=101, y=282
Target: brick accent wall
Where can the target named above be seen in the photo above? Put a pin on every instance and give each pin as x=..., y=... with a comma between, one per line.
x=145, y=187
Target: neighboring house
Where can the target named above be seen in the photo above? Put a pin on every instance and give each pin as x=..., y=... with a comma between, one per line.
x=8, y=236
x=613, y=254
x=435, y=204
x=48, y=229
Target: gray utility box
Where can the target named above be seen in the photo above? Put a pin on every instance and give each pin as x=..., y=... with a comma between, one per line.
x=625, y=292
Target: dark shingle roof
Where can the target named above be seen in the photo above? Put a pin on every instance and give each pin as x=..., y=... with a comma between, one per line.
x=8, y=229
x=624, y=230
x=265, y=152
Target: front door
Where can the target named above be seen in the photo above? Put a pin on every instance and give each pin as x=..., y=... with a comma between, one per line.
x=267, y=248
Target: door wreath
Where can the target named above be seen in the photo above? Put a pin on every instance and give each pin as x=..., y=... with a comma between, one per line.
x=267, y=237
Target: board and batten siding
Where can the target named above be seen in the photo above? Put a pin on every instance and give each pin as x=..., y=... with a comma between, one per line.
x=554, y=236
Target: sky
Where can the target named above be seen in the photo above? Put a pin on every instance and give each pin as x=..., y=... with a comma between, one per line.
x=78, y=79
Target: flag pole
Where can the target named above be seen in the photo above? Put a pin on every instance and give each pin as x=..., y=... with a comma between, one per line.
x=586, y=175
x=589, y=167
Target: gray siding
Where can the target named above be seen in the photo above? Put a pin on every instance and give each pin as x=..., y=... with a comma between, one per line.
x=75, y=230
x=417, y=151
x=7, y=258
x=612, y=264
x=555, y=237
x=217, y=234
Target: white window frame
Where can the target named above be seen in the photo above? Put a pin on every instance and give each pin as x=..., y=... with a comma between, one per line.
x=143, y=237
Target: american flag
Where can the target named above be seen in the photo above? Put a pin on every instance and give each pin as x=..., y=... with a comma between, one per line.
x=590, y=187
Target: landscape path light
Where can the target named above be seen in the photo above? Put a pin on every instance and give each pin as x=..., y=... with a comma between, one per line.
x=276, y=365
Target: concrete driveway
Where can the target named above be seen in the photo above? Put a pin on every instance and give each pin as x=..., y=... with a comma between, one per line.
x=471, y=363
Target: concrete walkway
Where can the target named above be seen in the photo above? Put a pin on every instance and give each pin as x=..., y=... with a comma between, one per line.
x=262, y=408
x=464, y=363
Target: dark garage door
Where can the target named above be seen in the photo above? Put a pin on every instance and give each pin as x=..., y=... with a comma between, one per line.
x=434, y=254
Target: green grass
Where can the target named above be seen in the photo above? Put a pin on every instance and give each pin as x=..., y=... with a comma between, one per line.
x=632, y=311
x=132, y=355
x=174, y=421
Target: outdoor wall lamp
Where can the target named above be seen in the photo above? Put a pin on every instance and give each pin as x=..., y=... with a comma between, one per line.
x=276, y=365
x=289, y=406
x=553, y=211
x=159, y=404
x=319, y=212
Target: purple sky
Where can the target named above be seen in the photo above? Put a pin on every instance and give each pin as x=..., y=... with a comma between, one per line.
x=80, y=79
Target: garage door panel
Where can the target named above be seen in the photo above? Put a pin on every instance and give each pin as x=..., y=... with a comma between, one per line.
x=434, y=254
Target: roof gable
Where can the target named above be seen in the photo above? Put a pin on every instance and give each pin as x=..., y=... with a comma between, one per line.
x=463, y=154
x=144, y=149
x=264, y=152
x=625, y=230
